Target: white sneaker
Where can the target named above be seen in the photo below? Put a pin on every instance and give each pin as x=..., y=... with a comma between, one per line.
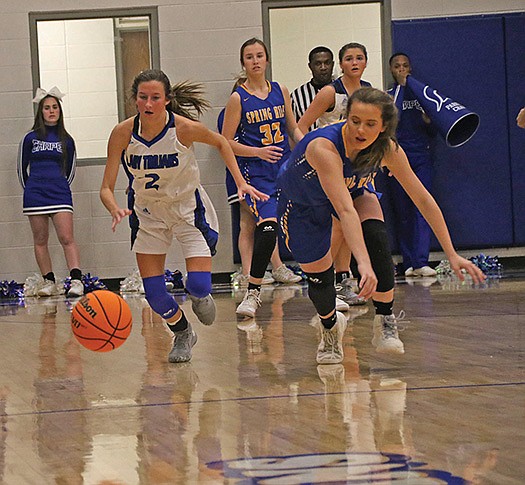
x=268, y=279
x=425, y=271
x=239, y=279
x=341, y=306
x=330, y=349
x=47, y=288
x=132, y=283
x=345, y=292
x=410, y=272
x=386, y=337
x=76, y=289
x=249, y=304
x=283, y=274
x=32, y=284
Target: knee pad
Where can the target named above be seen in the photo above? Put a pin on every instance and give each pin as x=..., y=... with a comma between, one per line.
x=158, y=298
x=198, y=283
x=264, y=239
x=321, y=290
x=376, y=240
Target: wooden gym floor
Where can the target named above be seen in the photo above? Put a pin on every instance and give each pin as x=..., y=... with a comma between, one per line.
x=253, y=406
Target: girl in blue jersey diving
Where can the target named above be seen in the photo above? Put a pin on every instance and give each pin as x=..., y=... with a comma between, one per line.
x=323, y=178
x=156, y=149
x=258, y=122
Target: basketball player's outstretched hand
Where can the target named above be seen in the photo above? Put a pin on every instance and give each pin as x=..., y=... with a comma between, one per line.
x=368, y=281
x=271, y=154
x=457, y=263
x=247, y=189
x=117, y=215
x=520, y=119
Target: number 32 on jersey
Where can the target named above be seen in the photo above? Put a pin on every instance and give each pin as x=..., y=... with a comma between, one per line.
x=272, y=133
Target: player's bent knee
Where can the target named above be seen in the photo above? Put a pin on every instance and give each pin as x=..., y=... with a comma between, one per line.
x=376, y=240
x=158, y=298
x=321, y=290
x=265, y=235
x=198, y=283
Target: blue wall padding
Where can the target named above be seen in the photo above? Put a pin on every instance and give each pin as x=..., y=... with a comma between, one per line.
x=464, y=59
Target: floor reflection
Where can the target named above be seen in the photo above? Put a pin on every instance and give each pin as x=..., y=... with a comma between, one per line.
x=254, y=407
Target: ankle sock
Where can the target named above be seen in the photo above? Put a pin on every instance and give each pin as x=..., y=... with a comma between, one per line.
x=383, y=308
x=329, y=322
x=179, y=325
x=50, y=276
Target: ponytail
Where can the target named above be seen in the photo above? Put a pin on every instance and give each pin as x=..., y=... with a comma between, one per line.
x=187, y=99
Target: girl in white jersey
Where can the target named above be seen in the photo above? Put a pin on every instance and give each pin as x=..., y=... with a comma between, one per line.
x=156, y=149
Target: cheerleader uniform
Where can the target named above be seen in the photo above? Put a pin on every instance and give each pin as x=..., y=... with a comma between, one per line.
x=46, y=185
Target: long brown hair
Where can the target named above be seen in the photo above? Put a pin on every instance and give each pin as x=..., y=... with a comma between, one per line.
x=369, y=159
x=186, y=98
x=40, y=128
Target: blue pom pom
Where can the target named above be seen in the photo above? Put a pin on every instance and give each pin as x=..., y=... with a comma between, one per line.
x=91, y=283
x=174, y=277
x=11, y=290
x=490, y=265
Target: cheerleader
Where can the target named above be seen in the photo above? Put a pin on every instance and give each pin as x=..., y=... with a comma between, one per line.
x=46, y=168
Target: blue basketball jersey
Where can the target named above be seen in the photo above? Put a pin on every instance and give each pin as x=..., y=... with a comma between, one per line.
x=299, y=182
x=263, y=121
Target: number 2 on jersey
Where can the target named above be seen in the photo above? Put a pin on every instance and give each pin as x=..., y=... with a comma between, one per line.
x=272, y=133
x=151, y=184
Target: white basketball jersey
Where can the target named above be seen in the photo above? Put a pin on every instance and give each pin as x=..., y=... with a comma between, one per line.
x=163, y=167
x=338, y=113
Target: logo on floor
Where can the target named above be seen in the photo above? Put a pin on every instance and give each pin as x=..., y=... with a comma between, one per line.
x=333, y=468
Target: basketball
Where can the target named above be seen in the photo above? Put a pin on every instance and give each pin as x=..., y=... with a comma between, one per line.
x=101, y=321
